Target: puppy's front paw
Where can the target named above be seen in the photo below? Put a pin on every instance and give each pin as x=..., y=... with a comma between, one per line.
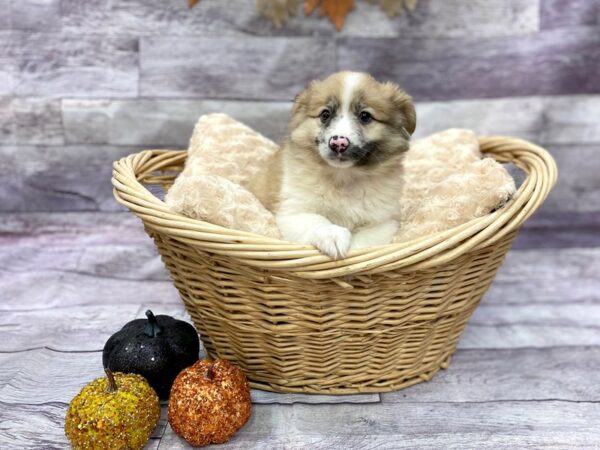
x=332, y=240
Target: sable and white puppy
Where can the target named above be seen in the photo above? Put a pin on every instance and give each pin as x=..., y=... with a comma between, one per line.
x=342, y=163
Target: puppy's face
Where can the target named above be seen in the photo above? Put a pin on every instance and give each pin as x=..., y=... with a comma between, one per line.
x=351, y=120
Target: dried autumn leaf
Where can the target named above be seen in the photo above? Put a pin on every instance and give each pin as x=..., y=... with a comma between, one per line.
x=410, y=4
x=395, y=7
x=336, y=10
x=392, y=7
x=292, y=6
x=277, y=11
x=310, y=5
x=192, y=3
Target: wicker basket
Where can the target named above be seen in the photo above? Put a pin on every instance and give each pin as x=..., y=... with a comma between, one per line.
x=383, y=318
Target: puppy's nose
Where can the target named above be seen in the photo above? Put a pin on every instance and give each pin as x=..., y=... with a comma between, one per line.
x=338, y=143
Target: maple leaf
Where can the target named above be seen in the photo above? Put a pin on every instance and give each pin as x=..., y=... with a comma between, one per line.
x=192, y=3
x=336, y=10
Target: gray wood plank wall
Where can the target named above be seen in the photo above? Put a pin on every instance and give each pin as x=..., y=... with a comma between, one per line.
x=84, y=83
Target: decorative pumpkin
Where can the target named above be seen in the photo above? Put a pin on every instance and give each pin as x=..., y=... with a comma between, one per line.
x=209, y=402
x=157, y=348
x=115, y=412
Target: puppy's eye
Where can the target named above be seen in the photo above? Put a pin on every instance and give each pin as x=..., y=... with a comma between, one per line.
x=365, y=117
x=325, y=115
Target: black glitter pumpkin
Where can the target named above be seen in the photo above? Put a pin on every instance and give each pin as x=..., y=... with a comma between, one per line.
x=157, y=348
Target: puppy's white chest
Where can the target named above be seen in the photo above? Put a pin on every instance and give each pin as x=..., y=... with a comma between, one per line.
x=357, y=204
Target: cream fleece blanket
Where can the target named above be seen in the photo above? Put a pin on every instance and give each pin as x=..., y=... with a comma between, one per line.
x=230, y=179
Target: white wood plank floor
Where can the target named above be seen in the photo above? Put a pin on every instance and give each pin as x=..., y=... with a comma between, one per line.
x=525, y=374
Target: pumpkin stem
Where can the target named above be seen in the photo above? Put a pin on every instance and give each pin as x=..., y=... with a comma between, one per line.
x=210, y=372
x=152, y=327
x=112, y=384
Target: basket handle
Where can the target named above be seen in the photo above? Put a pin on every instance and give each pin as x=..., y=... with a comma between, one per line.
x=304, y=260
x=535, y=161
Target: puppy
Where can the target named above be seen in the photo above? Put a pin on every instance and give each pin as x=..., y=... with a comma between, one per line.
x=342, y=163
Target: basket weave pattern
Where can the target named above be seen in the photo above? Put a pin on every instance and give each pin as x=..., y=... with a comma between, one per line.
x=383, y=318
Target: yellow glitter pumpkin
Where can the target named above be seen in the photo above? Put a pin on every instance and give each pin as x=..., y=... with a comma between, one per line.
x=116, y=412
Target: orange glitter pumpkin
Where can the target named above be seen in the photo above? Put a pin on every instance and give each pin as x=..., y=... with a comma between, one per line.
x=209, y=402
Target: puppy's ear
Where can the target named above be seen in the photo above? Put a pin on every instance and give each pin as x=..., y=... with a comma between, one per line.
x=299, y=108
x=301, y=101
x=404, y=103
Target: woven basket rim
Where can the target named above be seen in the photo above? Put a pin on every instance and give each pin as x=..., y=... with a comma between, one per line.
x=305, y=260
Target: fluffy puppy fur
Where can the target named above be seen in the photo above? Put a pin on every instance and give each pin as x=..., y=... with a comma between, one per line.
x=342, y=163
